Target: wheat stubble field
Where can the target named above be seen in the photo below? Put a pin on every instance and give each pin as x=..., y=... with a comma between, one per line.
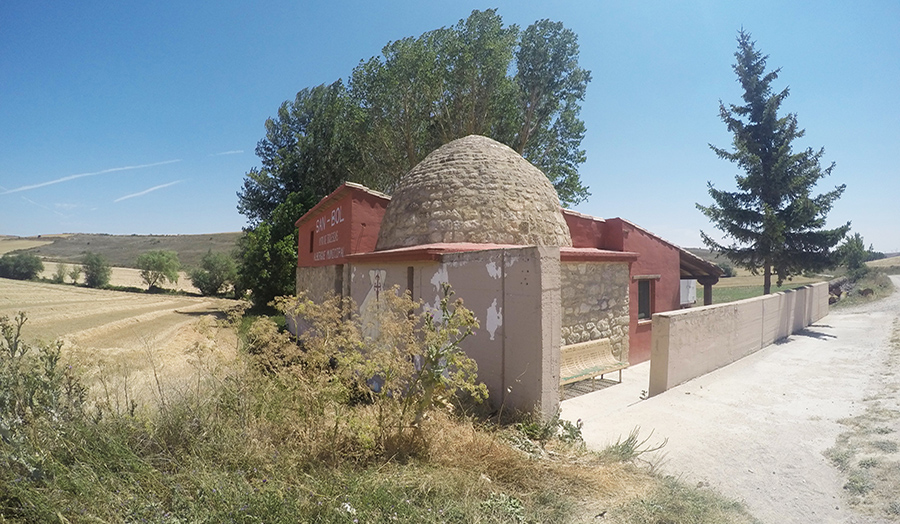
x=130, y=346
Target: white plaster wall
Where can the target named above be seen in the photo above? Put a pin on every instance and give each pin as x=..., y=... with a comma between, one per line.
x=689, y=343
x=515, y=295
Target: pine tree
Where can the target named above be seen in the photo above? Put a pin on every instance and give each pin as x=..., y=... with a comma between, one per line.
x=773, y=220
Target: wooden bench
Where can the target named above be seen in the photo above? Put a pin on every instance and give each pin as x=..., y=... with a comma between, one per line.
x=587, y=360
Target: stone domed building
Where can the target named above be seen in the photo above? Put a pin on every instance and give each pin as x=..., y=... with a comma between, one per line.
x=477, y=190
x=477, y=215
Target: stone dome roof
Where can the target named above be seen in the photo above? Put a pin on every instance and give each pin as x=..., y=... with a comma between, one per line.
x=478, y=190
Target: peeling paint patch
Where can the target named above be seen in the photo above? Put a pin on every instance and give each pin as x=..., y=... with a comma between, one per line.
x=494, y=270
x=493, y=319
x=440, y=277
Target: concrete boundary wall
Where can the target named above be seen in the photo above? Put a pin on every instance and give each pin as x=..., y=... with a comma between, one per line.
x=689, y=343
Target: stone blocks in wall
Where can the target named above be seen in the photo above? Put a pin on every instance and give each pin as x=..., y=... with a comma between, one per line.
x=319, y=282
x=595, y=304
x=474, y=189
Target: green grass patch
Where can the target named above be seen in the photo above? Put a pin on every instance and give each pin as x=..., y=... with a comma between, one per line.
x=722, y=295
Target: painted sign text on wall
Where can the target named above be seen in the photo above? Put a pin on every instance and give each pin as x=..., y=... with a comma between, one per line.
x=329, y=236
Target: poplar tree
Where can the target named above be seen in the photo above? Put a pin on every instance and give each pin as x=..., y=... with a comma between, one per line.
x=774, y=221
x=479, y=76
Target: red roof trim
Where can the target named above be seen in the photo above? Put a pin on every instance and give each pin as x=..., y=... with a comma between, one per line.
x=582, y=215
x=430, y=252
x=436, y=252
x=589, y=254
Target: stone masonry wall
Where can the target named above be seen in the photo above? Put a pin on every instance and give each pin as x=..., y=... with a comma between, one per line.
x=595, y=303
x=318, y=282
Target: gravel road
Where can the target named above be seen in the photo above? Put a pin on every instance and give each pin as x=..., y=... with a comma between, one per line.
x=757, y=430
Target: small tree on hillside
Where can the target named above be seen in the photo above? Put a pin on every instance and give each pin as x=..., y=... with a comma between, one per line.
x=775, y=223
x=216, y=272
x=96, y=270
x=158, y=267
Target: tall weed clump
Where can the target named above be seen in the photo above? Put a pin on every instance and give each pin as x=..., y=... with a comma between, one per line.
x=39, y=399
x=369, y=381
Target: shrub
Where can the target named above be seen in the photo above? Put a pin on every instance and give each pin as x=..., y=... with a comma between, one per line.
x=852, y=254
x=60, y=275
x=216, y=272
x=403, y=360
x=96, y=270
x=20, y=266
x=75, y=273
x=36, y=392
x=727, y=268
x=157, y=267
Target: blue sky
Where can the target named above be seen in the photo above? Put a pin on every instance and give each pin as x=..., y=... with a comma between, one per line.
x=142, y=118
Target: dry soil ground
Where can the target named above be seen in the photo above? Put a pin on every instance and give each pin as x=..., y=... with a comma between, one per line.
x=772, y=428
x=124, y=341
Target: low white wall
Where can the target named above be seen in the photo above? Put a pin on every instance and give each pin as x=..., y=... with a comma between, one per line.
x=689, y=343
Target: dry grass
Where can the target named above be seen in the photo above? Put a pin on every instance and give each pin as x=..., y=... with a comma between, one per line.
x=867, y=452
x=9, y=244
x=885, y=262
x=120, y=338
x=227, y=442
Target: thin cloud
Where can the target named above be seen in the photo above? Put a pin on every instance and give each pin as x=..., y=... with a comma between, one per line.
x=144, y=192
x=82, y=175
x=233, y=152
x=30, y=201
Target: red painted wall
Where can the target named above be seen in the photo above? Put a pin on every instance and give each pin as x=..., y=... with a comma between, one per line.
x=657, y=257
x=367, y=213
x=343, y=223
x=586, y=231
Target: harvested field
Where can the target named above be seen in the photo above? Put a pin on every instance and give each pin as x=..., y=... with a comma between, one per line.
x=125, y=277
x=885, y=262
x=130, y=345
x=8, y=244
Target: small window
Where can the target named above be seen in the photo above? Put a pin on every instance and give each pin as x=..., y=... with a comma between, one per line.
x=644, y=294
x=312, y=237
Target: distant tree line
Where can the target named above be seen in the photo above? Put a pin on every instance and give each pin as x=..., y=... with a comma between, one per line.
x=523, y=88
x=215, y=275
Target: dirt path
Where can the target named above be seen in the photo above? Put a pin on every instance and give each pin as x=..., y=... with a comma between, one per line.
x=759, y=430
x=124, y=341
